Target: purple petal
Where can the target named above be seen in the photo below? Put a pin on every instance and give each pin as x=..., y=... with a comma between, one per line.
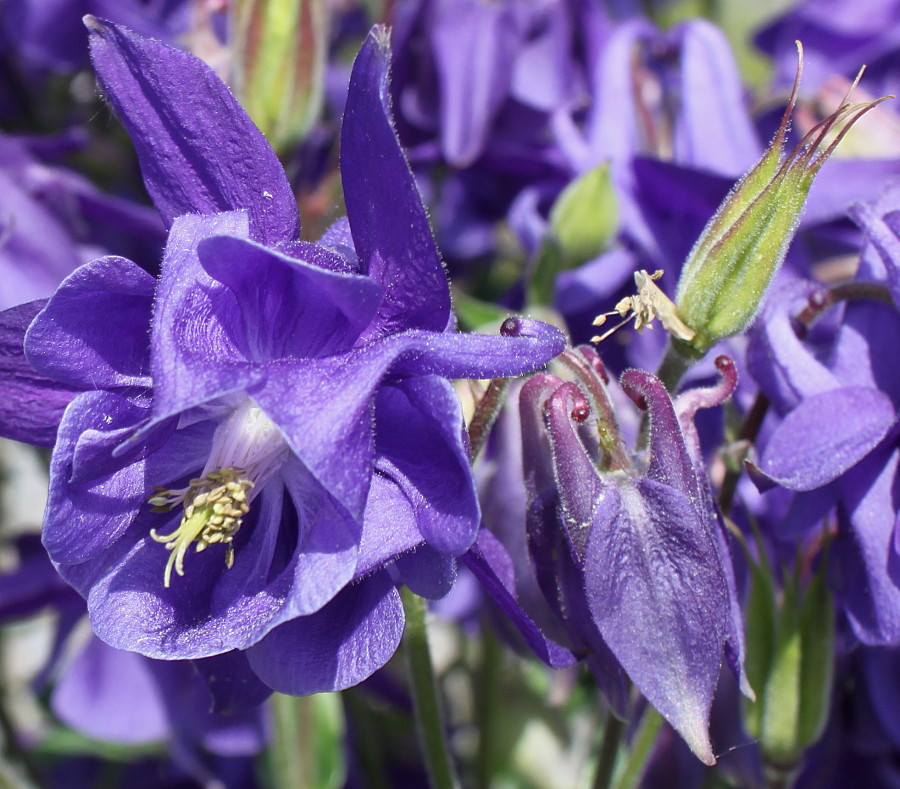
x=194, y=357
x=93, y=333
x=389, y=526
x=427, y=572
x=474, y=45
x=883, y=232
x=390, y=227
x=213, y=609
x=669, y=459
x=87, y=511
x=330, y=431
x=657, y=594
x=340, y=646
x=825, y=435
x=32, y=405
x=713, y=129
x=488, y=560
x=199, y=151
x=232, y=683
x=111, y=694
x=288, y=307
x=38, y=249
x=581, y=490
x=864, y=547
x=419, y=429
x=785, y=369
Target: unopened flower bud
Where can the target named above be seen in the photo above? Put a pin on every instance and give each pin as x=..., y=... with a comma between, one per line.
x=279, y=54
x=585, y=216
x=744, y=244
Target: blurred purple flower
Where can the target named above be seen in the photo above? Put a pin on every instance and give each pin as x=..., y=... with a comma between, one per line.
x=118, y=696
x=852, y=387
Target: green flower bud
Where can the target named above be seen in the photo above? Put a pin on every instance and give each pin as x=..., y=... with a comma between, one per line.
x=279, y=53
x=585, y=216
x=744, y=244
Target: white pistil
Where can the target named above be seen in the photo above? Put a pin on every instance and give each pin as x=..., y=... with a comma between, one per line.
x=247, y=450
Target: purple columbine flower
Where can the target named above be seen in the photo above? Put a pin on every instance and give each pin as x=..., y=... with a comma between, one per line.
x=630, y=550
x=263, y=441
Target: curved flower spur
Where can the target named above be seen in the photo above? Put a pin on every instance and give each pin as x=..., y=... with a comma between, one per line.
x=288, y=433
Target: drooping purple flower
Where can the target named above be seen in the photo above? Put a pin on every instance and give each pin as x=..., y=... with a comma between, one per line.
x=631, y=552
x=290, y=419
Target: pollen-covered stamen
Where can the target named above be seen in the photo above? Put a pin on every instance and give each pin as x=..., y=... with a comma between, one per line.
x=247, y=450
x=645, y=307
x=214, y=507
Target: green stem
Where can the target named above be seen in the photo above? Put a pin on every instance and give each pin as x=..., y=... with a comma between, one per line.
x=641, y=748
x=486, y=413
x=673, y=367
x=488, y=706
x=429, y=723
x=288, y=760
x=609, y=750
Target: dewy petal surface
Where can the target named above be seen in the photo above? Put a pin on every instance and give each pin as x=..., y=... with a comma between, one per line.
x=390, y=228
x=199, y=150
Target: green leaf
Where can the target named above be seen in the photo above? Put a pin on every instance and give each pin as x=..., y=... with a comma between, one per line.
x=473, y=314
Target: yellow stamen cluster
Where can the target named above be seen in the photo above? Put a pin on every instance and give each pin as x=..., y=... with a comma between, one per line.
x=214, y=506
x=645, y=307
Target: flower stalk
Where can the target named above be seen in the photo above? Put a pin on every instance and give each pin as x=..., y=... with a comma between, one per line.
x=427, y=706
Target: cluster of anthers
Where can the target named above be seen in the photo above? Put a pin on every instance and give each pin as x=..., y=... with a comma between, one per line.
x=214, y=506
x=648, y=304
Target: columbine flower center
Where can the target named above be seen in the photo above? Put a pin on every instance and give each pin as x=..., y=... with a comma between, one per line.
x=247, y=450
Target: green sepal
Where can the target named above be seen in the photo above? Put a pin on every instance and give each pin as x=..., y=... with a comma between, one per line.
x=790, y=662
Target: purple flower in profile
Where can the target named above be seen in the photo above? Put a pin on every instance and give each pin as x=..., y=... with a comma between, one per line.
x=288, y=434
x=631, y=551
